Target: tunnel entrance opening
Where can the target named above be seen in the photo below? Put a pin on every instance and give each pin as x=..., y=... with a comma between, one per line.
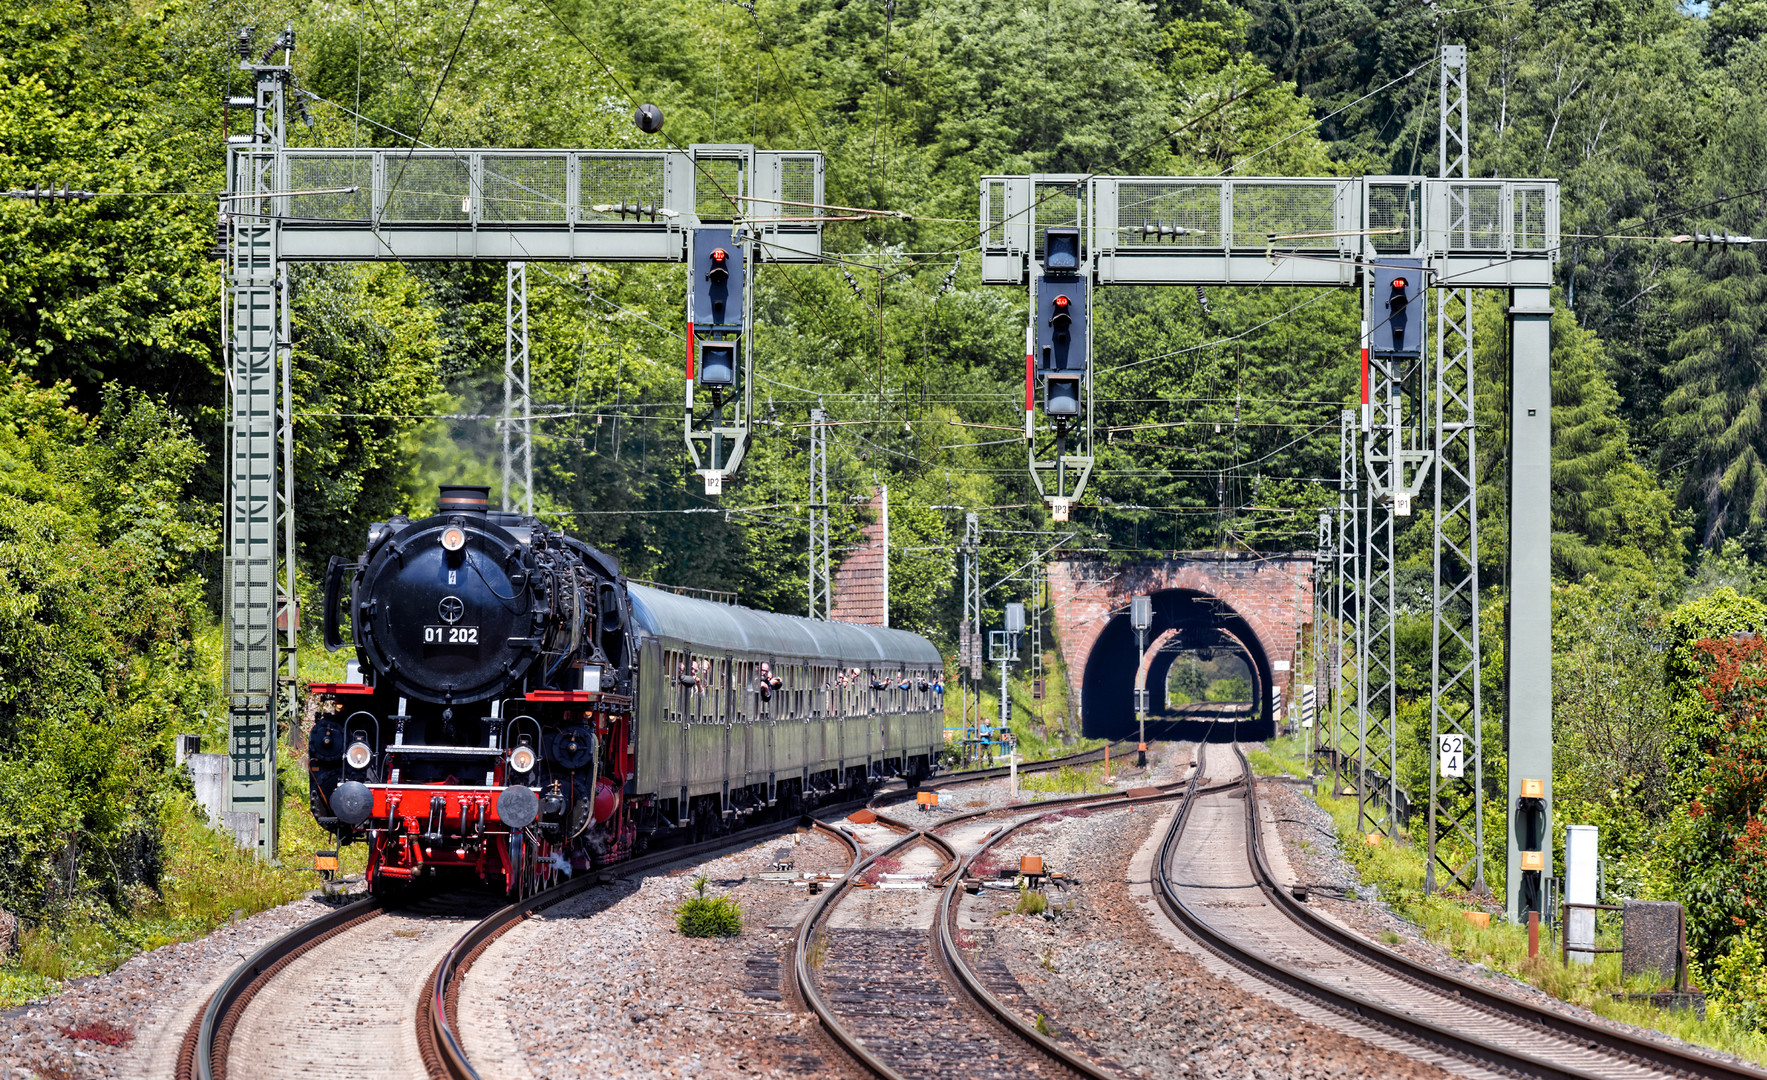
x=1186, y=623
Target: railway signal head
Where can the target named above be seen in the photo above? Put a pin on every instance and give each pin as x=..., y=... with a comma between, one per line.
x=1062, y=319
x=1061, y=250
x=717, y=364
x=1061, y=396
x=1398, y=288
x=716, y=290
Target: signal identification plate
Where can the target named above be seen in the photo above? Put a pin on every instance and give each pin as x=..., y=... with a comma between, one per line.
x=450, y=635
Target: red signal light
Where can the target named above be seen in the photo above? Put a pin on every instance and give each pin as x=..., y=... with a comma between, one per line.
x=1061, y=302
x=718, y=256
x=1400, y=283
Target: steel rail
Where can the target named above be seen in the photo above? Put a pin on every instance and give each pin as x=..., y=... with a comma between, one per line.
x=203, y=1053
x=807, y=986
x=1363, y=1010
x=958, y=971
x=1634, y=1048
x=960, y=978
x=993, y=772
x=437, y=1038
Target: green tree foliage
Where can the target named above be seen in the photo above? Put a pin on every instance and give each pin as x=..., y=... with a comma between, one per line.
x=99, y=600
x=116, y=288
x=1712, y=417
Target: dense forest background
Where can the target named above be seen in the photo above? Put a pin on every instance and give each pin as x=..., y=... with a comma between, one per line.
x=1654, y=119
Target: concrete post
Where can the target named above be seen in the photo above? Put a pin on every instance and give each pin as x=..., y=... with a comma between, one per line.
x=1528, y=730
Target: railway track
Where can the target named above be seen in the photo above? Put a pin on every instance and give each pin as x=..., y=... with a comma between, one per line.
x=1084, y=757
x=316, y=1015
x=1213, y=880
x=443, y=935
x=904, y=1000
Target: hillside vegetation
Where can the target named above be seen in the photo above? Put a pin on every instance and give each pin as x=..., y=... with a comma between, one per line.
x=111, y=381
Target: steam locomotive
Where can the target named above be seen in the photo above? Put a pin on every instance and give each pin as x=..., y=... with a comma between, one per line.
x=517, y=709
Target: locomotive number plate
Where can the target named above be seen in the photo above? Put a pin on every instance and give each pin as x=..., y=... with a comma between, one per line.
x=450, y=635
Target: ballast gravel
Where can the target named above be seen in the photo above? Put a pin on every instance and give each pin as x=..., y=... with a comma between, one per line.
x=1115, y=991
x=603, y=986
x=1337, y=891
x=146, y=1004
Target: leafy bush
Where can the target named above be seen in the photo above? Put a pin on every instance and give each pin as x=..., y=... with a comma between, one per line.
x=99, y=606
x=1736, y=983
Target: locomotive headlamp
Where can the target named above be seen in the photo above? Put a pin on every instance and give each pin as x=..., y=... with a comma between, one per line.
x=358, y=755
x=453, y=538
x=521, y=759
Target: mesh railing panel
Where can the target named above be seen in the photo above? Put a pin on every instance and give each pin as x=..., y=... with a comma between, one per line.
x=1530, y=218
x=616, y=181
x=1261, y=211
x=1393, y=217
x=1475, y=217
x=307, y=172
x=525, y=188
x=1149, y=213
x=715, y=183
x=1056, y=203
x=797, y=184
x=996, y=236
x=424, y=188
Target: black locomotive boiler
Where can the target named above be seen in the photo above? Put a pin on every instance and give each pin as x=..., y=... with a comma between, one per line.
x=517, y=709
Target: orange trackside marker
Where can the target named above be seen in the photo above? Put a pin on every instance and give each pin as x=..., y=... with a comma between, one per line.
x=325, y=860
x=1141, y=747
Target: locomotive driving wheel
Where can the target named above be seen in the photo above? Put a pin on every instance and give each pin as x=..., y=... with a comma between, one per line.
x=530, y=867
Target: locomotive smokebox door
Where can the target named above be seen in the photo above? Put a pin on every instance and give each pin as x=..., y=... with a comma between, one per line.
x=452, y=616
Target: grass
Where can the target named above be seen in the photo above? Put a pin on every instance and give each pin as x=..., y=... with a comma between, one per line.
x=1036, y=723
x=1031, y=902
x=1285, y=756
x=207, y=882
x=1396, y=870
x=817, y=950
x=1067, y=780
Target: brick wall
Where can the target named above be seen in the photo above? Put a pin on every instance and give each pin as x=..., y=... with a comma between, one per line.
x=1271, y=593
x=859, y=580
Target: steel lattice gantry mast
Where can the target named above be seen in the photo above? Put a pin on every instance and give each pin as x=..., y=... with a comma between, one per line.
x=821, y=582
x=262, y=621
x=362, y=204
x=1457, y=809
x=970, y=636
x=1346, y=572
x=1390, y=458
x=1395, y=235
x=518, y=408
x=1323, y=552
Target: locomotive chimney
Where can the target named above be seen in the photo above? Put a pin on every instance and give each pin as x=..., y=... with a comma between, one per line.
x=463, y=498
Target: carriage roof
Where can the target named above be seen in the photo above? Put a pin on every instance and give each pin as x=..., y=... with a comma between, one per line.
x=702, y=624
